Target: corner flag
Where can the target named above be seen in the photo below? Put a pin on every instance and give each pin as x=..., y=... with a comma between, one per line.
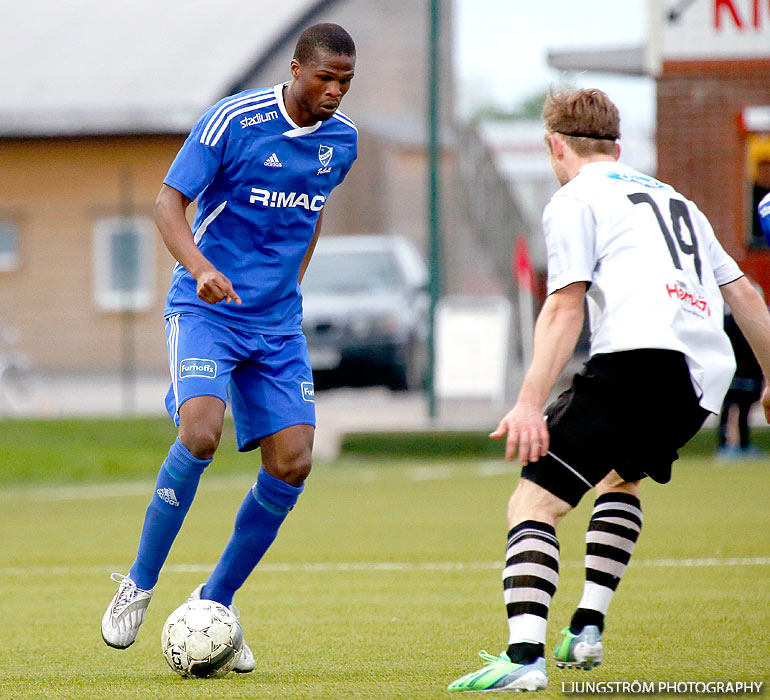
x=524, y=275
x=523, y=272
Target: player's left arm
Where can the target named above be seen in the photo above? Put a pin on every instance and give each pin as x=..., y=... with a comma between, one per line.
x=752, y=317
x=311, y=247
x=556, y=333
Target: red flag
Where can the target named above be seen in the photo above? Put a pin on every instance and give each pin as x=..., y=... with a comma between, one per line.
x=523, y=272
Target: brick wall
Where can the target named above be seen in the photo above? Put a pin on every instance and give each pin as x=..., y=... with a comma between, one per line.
x=701, y=146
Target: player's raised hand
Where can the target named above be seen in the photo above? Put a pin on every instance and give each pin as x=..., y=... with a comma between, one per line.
x=527, y=433
x=213, y=287
x=766, y=402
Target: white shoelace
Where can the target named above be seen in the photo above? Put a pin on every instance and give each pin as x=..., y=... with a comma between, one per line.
x=126, y=592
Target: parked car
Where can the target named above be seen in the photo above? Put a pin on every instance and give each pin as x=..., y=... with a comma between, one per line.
x=365, y=312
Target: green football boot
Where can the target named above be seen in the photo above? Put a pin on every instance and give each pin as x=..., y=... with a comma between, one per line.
x=582, y=650
x=499, y=673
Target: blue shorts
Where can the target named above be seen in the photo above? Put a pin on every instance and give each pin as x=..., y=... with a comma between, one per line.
x=268, y=377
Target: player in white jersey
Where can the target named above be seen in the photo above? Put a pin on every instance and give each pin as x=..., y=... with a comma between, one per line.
x=655, y=278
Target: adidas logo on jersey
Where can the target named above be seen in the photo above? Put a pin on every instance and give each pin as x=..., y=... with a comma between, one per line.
x=273, y=161
x=168, y=496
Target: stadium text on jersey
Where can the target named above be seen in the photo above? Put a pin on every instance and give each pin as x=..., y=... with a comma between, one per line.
x=286, y=199
x=258, y=118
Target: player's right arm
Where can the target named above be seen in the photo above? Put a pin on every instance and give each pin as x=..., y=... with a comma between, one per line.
x=752, y=317
x=170, y=217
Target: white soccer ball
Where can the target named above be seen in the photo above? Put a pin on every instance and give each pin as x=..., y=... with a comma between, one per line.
x=202, y=639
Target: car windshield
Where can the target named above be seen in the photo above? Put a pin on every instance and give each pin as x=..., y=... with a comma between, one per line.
x=351, y=273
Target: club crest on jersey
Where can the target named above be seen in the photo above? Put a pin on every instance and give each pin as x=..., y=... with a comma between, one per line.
x=308, y=392
x=197, y=367
x=325, y=156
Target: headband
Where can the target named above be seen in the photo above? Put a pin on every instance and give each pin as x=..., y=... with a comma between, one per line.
x=584, y=135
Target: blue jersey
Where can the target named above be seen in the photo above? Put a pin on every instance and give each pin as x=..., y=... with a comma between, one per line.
x=261, y=182
x=764, y=216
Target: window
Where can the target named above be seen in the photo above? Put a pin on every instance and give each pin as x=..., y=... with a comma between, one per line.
x=757, y=181
x=124, y=263
x=9, y=246
x=759, y=188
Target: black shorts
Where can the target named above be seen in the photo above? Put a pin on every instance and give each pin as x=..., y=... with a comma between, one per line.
x=628, y=411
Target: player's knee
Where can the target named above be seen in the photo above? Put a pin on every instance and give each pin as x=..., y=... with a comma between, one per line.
x=294, y=467
x=530, y=501
x=614, y=482
x=201, y=440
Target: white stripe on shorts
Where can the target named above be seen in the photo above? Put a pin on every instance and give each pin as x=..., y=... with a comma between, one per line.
x=577, y=474
x=173, y=355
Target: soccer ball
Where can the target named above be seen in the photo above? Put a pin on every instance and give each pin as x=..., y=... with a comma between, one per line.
x=202, y=639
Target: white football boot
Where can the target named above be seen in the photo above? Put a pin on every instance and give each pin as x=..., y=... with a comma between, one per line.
x=246, y=662
x=125, y=613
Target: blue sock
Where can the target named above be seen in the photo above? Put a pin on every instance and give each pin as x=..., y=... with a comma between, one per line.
x=174, y=492
x=261, y=514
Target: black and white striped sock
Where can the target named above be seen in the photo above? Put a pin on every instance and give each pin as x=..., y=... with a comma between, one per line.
x=530, y=578
x=615, y=525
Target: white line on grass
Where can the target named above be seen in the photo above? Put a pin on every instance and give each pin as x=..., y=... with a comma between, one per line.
x=91, y=492
x=371, y=566
x=430, y=473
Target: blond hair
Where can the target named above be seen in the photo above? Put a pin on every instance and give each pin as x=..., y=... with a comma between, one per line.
x=587, y=118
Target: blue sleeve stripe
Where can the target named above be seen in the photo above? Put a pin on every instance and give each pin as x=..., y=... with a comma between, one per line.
x=217, y=117
x=232, y=115
x=345, y=120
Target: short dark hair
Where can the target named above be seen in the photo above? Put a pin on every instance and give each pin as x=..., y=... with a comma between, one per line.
x=327, y=36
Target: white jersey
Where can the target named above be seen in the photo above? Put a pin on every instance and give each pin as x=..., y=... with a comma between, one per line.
x=653, y=265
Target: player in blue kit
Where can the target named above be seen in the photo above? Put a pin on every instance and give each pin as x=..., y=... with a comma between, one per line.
x=763, y=211
x=261, y=165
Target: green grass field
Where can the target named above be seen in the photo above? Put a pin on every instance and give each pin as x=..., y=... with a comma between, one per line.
x=384, y=582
